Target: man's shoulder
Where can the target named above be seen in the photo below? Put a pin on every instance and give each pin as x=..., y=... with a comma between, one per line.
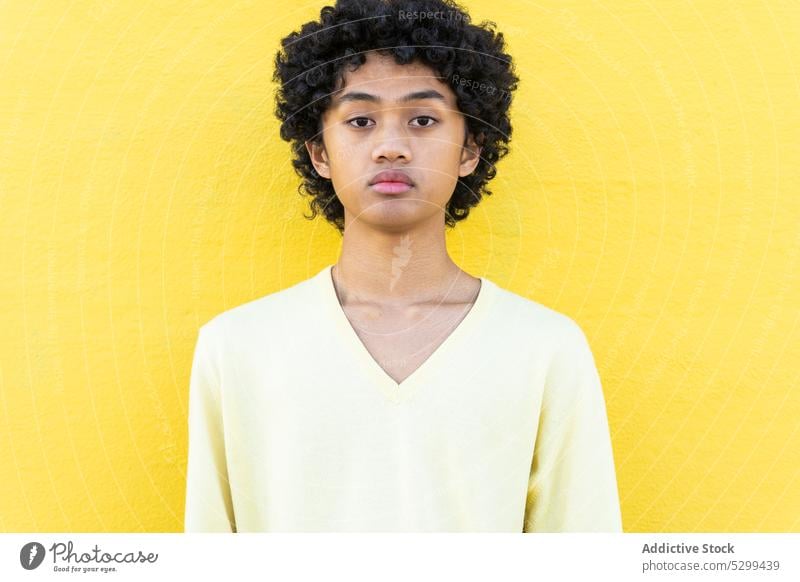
x=266, y=312
x=532, y=316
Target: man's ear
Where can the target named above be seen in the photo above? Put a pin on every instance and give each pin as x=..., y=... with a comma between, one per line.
x=470, y=156
x=319, y=157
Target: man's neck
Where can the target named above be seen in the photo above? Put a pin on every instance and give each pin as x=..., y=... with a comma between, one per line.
x=401, y=268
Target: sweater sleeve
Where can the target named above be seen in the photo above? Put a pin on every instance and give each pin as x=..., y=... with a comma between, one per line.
x=209, y=507
x=572, y=485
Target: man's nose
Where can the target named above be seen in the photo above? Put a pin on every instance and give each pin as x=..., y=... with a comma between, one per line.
x=391, y=145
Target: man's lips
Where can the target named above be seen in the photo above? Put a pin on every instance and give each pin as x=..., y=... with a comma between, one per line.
x=391, y=182
x=392, y=176
x=391, y=187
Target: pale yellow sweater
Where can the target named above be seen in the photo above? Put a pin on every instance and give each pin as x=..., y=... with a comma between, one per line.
x=293, y=426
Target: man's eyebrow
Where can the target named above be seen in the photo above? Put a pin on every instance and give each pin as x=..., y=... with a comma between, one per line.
x=415, y=96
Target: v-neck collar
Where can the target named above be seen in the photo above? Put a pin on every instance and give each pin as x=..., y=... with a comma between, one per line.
x=395, y=391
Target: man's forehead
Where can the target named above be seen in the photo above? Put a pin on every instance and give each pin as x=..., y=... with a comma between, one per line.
x=399, y=95
x=378, y=65
x=388, y=81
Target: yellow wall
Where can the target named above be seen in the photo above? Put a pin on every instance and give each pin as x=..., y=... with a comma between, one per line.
x=652, y=195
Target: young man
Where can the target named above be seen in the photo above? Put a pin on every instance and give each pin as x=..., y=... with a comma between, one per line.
x=393, y=391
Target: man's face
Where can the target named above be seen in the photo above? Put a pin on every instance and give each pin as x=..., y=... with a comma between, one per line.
x=393, y=117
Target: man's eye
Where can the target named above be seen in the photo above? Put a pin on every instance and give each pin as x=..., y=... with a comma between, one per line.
x=357, y=122
x=362, y=122
x=427, y=119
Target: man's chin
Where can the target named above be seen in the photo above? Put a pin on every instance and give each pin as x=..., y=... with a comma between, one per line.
x=398, y=215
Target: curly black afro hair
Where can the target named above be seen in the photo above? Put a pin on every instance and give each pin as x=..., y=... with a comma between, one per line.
x=436, y=33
